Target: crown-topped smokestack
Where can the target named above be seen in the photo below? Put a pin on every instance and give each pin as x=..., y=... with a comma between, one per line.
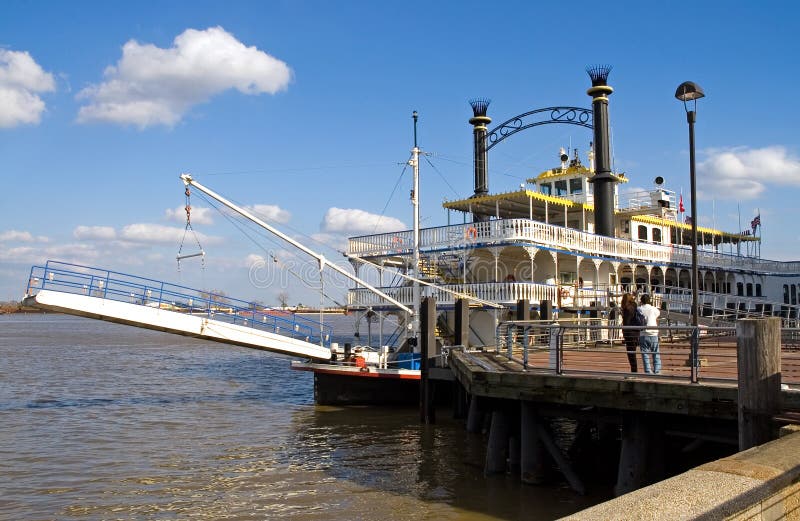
x=479, y=106
x=604, y=181
x=598, y=74
x=479, y=120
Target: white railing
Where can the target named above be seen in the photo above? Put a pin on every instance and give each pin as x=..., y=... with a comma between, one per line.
x=500, y=292
x=535, y=233
x=727, y=307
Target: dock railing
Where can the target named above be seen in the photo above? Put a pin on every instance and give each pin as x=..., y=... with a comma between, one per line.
x=122, y=287
x=590, y=346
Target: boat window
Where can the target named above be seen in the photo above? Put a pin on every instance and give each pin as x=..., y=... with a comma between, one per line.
x=575, y=185
x=561, y=187
x=642, y=232
x=656, y=234
x=785, y=293
x=794, y=294
x=547, y=188
x=749, y=289
x=758, y=290
x=740, y=289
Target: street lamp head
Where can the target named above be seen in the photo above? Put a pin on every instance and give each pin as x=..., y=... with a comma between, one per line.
x=689, y=91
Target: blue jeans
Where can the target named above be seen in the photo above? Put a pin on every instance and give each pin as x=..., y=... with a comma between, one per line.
x=649, y=346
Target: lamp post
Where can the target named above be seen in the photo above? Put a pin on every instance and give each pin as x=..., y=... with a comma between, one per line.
x=690, y=91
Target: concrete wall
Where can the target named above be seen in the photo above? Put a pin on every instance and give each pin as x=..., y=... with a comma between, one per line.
x=762, y=483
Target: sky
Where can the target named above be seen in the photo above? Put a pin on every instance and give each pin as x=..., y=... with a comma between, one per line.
x=301, y=111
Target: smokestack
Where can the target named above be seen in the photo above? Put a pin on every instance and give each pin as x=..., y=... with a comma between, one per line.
x=604, y=181
x=479, y=120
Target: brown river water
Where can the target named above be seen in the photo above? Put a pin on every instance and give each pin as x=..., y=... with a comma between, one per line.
x=100, y=421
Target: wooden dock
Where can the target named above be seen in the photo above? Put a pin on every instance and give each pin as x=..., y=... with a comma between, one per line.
x=742, y=386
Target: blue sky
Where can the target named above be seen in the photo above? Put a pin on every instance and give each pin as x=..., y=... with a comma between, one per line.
x=302, y=110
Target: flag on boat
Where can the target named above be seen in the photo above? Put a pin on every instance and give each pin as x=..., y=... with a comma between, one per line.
x=680, y=205
x=755, y=223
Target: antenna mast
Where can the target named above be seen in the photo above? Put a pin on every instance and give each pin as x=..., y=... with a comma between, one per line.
x=414, y=162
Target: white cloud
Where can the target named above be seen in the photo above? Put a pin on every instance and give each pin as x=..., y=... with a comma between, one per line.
x=21, y=78
x=335, y=241
x=744, y=173
x=199, y=215
x=270, y=212
x=354, y=221
x=18, y=236
x=100, y=233
x=160, y=234
x=154, y=86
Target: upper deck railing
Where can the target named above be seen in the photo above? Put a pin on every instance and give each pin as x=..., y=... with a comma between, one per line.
x=122, y=287
x=535, y=233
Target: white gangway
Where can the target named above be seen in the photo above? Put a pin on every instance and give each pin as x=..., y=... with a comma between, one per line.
x=127, y=299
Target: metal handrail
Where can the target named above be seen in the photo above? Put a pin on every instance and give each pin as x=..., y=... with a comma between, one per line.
x=527, y=337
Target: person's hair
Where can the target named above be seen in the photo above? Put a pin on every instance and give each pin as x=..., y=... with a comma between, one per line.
x=627, y=299
x=645, y=299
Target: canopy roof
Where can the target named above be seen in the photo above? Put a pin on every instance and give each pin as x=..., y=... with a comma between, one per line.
x=517, y=204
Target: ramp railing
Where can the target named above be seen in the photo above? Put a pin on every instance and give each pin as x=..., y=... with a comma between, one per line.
x=123, y=287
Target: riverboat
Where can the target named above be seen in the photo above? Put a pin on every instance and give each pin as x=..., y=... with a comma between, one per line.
x=567, y=243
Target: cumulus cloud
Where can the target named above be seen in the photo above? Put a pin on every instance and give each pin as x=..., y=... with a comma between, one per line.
x=18, y=236
x=270, y=212
x=353, y=221
x=21, y=79
x=154, y=86
x=100, y=233
x=140, y=233
x=199, y=215
x=744, y=173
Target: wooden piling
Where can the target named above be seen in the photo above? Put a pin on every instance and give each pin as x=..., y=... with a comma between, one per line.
x=497, y=449
x=533, y=468
x=633, y=458
x=758, y=344
x=475, y=415
x=427, y=347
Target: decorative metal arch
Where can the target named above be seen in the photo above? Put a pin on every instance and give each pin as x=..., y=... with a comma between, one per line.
x=569, y=115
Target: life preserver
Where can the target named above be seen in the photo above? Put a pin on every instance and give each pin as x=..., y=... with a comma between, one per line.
x=564, y=292
x=471, y=233
x=397, y=241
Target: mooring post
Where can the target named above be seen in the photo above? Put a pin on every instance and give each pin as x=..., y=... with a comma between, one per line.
x=533, y=469
x=497, y=450
x=758, y=343
x=427, y=411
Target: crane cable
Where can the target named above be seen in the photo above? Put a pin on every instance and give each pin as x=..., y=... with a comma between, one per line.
x=201, y=253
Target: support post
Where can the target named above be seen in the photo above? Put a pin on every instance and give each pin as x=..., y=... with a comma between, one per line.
x=462, y=323
x=497, y=450
x=475, y=415
x=524, y=313
x=533, y=469
x=545, y=310
x=632, y=471
x=759, y=361
x=427, y=347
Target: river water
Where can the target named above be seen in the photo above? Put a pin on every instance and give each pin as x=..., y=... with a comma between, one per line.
x=101, y=421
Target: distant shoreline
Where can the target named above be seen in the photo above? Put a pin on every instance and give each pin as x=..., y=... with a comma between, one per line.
x=8, y=308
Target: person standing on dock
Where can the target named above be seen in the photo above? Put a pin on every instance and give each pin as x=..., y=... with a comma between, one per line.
x=648, y=338
x=631, y=336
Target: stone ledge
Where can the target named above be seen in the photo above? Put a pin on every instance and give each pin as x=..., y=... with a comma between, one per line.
x=759, y=483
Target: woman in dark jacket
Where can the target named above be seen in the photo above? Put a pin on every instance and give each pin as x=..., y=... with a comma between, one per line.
x=631, y=336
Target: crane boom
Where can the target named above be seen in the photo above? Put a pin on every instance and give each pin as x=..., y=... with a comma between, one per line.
x=189, y=181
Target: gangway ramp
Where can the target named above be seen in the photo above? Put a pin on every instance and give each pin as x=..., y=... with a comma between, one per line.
x=127, y=299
